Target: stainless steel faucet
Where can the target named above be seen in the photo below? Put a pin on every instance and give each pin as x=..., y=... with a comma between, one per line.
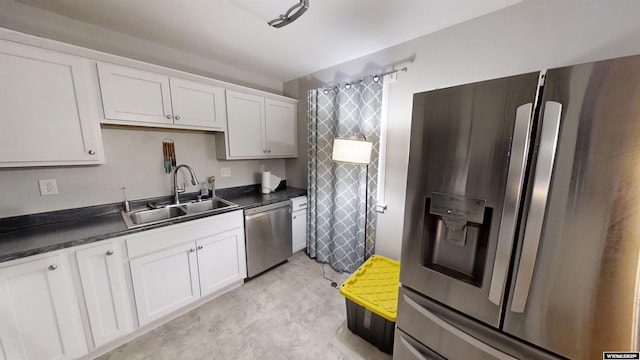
x=176, y=189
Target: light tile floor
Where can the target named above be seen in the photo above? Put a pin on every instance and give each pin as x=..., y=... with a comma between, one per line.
x=288, y=313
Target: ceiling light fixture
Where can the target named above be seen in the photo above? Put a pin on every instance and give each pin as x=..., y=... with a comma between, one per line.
x=264, y=10
x=291, y=15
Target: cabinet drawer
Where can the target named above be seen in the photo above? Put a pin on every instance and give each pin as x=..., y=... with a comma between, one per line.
x=299, y=203
x=162, y=238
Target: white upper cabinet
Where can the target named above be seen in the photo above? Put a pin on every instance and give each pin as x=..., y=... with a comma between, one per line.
x=49, y=114
x=258, y=127
x=197, y=104
x=137, y=97
x=281, y=128
x=245, y=128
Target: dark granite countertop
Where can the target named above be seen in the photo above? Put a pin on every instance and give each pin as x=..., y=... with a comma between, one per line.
x=33, y=234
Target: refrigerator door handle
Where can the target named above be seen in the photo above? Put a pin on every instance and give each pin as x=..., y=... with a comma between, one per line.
x=487, y=349
x=537, y=209
x=515, y=180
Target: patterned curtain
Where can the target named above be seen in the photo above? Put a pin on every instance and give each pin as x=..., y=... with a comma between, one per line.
x=341, y=220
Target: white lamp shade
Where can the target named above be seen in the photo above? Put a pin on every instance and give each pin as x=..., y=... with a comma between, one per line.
x=352, y=151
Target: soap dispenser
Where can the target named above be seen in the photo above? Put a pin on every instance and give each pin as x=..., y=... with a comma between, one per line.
x=204, y=190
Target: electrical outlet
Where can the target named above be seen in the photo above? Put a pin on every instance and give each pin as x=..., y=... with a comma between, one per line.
x=48, y=186
x=262, y=168
x=225, y=172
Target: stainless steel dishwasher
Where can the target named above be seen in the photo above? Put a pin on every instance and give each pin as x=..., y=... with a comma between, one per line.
x=268, y=236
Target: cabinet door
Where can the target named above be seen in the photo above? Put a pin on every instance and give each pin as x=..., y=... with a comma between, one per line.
x=221, y=260
x=245, y=125
x=281, y=129
x=48, y=114
x=299, y=230
x=105, y=292
x=165, y=281
x=197, y=104
x=39, y=315
x=135, y=95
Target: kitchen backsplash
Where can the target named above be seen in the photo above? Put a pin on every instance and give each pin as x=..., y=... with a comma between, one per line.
x=134, y=160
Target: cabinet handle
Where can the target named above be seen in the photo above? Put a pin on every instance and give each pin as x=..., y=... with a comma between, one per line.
x=264, y=151
x=53, y=267
x=200, y=247
x=92, y=152
x=294, y=217
x=269, y=151
x=109, y=252
x=192, y=250
x=169, y=117
x=177, y=117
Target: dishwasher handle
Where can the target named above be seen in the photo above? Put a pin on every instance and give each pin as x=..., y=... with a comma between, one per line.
x=259, y=209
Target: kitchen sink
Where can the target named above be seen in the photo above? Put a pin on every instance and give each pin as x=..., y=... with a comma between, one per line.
x=207, y=205
x=174, y=211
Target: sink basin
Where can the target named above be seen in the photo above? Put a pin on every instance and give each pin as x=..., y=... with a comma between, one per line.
x=151, y=216
x=147, y=217
x=207, y=205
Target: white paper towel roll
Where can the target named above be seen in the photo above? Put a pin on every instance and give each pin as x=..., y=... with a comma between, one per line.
x=269, y=182
x=266, y=182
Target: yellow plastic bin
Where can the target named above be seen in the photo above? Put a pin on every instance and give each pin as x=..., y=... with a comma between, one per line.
x=371, y=295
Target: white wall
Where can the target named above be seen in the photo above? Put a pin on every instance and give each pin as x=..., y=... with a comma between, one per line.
x=133, y=156
x=533, y=35
x=38, y=22
x=134, y=160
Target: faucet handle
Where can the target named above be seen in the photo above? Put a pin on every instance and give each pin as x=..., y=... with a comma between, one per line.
x=212, y=184
x=127, y=208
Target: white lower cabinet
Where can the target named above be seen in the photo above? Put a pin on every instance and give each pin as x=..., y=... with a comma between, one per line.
x=105, y=291
x=221, y=260
x=196, y=259
x=299, y=223
x=39, y=312
x=165, y=281
x=171, y=267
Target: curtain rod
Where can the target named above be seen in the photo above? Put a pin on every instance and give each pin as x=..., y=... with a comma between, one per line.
x=375, y=78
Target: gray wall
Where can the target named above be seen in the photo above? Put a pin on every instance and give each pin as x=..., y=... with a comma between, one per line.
x=530, y=36
x=134, y=160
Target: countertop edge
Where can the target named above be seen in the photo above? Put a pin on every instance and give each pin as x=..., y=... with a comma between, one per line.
x=22, y=243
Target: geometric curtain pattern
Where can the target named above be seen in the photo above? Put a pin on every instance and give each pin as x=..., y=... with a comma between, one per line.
x=341, y=219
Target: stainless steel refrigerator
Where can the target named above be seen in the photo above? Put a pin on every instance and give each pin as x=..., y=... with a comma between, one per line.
x=522, y=221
